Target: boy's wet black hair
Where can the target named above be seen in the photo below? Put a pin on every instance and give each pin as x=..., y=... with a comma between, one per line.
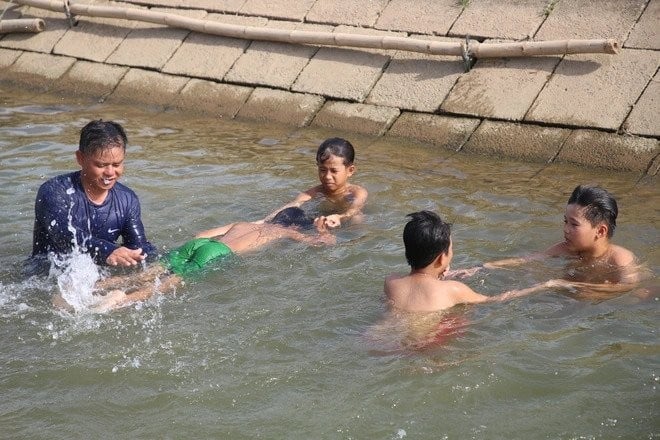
x=337, y=147
x=97, y=135
x=600, y=206
x=293, y=216
x=425, y=236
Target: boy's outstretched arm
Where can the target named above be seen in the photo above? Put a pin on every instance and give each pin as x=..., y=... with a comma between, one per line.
x=295, y=203
x=468, y=296
x=498, y=264
x=214, y=232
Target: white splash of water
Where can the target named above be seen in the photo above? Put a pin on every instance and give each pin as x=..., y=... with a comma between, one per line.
x=76, y=276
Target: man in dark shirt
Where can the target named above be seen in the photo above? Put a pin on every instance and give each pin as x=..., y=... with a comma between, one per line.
x=88, y=209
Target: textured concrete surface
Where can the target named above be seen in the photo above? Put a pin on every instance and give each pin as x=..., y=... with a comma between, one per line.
x=592, y=109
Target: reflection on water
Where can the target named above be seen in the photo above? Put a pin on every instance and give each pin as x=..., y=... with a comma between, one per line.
x=294, y=342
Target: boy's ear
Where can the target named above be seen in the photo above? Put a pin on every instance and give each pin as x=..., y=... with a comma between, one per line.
x=350, y=169
x=441, y=260
x=601, y=230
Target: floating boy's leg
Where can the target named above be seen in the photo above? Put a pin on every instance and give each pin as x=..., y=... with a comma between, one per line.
x=118, y=298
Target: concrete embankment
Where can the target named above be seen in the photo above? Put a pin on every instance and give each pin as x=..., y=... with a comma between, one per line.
x=596, y=110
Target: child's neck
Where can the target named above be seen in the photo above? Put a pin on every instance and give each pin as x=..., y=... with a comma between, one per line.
x=426, y=272
x=598, y=252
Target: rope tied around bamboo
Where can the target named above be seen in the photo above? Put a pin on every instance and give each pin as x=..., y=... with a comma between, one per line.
x=468, y=49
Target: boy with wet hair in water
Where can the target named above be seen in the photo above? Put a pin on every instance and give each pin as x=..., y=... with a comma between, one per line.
x=343, y=201
x=429, y=251
x=589, y=225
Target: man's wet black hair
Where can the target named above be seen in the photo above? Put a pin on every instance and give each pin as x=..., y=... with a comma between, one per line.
x=293, y=216
x=600, y=206
x=98, y=135
x=425, y=237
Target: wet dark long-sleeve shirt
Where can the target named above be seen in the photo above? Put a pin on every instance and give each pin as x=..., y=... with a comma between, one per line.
x=66, y=218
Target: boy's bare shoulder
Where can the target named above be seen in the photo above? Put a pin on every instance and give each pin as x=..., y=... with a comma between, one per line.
x=621, y=256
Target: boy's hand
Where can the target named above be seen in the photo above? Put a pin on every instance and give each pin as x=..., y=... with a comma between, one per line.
x=333, y=221
x=461, y=273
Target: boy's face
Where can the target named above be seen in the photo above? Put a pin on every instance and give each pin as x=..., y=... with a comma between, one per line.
x=579, y=233
x=102, y=169
x=333, y=174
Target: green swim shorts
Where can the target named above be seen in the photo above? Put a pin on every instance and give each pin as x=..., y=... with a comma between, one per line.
x=195, y=255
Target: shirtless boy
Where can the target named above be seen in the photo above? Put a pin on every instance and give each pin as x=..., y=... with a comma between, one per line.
x=429, y=251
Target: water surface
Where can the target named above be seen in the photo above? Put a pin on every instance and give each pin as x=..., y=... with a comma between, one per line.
x=281, y=343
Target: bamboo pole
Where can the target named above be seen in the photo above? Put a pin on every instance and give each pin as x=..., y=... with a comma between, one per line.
x=33, y=25
x=469, y=49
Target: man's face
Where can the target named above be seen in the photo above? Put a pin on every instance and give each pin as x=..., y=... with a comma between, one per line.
x=102, y=169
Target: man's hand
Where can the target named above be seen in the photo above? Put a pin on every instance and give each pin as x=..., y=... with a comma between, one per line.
x=123, y=256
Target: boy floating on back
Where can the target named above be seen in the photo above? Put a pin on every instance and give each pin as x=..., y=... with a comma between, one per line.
x=208, y=247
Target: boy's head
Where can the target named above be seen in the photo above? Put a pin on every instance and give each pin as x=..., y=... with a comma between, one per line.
x=100, y=135
x=425, y=237
x=599, y=206
x=335, y=147
x=292, y=217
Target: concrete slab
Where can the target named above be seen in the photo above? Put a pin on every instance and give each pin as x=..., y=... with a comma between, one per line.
x=645, y=116
x=7, y=58
x=284, y=9
x=433, y=17
x=44, y=41
x=150, y=88
x=358, y=118
x=446, y=132
x=595, y=90
x=274, y=64
x=416, y=81
x=221, y=6
x=210, y=56
x=608, y=150
x=341, y=73
x=93, y=38
x=37, y=70
x=279, y=106
x=500, y=88
x=645, y=34
x=590, y=19
x=150, y=45
x=89, y=79
x=530, y=143
x=210, y=98
x=349, y=12
x=497, y=19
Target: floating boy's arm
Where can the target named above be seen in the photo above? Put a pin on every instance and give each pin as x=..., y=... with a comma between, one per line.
x=295, y=203
x=210, y=233
x=323, y=238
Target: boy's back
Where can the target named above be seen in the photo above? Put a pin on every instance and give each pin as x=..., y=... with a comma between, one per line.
x=424, y=293
x=244, y=236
